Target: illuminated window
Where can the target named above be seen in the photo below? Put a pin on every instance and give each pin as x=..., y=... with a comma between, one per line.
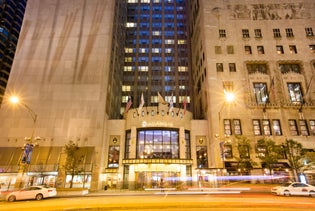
x=293, y=127
x=261, y=93
x=130, y=25
x=312, y=127
x=227, y=127
x=168, y=50
x=295, y=92
x=182, y=69
x=266, y=127
x=257, y=127
x=276, y=127
x=157, y=144
x=279, y=49
x=292, y=49
x=303, y=127
x=237, y=127
x=143, y=68
x=169, y=41
x=156, y=33
x=181, y=42
x=129, y=50
x=126, y=88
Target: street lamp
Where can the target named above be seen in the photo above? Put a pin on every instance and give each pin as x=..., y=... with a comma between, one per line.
x=229, y=97
x=29, y=145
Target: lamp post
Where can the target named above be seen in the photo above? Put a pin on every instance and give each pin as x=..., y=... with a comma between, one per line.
x=28, y=146
x=229, y=98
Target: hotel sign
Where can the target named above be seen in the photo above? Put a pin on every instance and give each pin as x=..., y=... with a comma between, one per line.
x=156, y=124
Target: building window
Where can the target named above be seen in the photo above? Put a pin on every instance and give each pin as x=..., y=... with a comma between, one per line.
x=312, y=48
x=276, y=127
x=248, y=49
x=289, y=32
x=292, y=49
x=312, y=127
x=293, y=127
x=227, y=151
x=261, y=150
x=222, y=33
x=237, y=127
x=266, y=127
x=127, y=145
x=232, y=67
x=202, y=157
x=279, y=49
x=253, y=68
x=245, y=33
x=157, y=144
x=260, y=49
x=309, y=32
x=295, y=92
x=290, y=67
x=113, y=157
x=257, y=128
x=303, y=127
x=258, y=33
x=218, y=50
x=230, y=49
x=276, y=33
x=219, y=67
x=261, y=93
x=187, y=145
x=227, y=127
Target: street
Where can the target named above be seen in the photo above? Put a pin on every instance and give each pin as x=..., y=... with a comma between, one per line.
x=163, y=201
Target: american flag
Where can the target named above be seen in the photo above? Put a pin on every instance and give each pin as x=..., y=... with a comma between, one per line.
x=128, y=105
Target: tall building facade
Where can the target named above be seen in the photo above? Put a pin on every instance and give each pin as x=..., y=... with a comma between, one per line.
x=157, y=53
x=83, y=67
x=263, y=51
x=11, y=17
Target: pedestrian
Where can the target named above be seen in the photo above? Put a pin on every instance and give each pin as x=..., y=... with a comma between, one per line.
x=162, y=185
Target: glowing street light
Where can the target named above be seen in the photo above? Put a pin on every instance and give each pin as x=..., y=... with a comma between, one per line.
x=229, y=97
x=28, y=146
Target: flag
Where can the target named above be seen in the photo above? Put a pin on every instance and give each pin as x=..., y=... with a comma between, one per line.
x=128, y=105
x=141, y=103
x=185, y=102
x=271, y=90
x=161, y=99
x=171, y=104
x=308, y=88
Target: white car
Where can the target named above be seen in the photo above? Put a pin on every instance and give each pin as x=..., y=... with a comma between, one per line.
x=295, y=188
x=32, y=192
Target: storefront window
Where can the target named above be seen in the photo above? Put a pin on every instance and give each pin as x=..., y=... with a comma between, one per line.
x=202, y=157
x=158, y=144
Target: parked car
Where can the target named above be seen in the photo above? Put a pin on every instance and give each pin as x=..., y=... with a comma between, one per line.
x=32, y=192
x=295, y=188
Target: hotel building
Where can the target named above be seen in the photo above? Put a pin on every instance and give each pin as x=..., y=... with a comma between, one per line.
x=139, y=86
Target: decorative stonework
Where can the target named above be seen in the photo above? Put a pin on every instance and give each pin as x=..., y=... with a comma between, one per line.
x=282, y=11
